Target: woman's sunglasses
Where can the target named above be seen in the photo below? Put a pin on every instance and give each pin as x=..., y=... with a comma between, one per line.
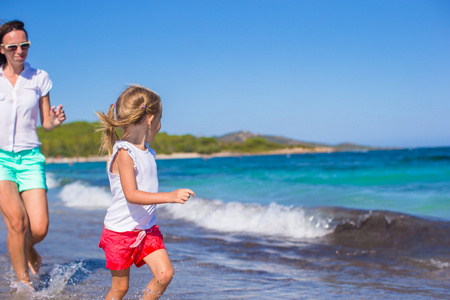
x=13, y=47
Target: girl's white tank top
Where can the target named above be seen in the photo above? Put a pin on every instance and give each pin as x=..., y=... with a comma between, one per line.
x=121, y=215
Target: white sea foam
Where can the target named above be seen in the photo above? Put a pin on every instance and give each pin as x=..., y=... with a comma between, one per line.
x=439, y=264
x=272, y=220
x=81, y=195
x=52, y=180
x=433, y=262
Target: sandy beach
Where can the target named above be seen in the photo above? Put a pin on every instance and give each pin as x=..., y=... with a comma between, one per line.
x=287, y=151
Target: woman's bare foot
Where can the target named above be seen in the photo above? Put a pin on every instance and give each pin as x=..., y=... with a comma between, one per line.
x=24, y=290
x=23, y=280
x=34, y=261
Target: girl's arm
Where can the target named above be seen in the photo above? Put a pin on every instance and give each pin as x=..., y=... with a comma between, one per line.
x=133, y=195
x=51, y=117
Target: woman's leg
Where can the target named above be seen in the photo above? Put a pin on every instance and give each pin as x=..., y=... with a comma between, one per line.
x=119, y=284
x=15, y=216
x=37, y=210
x=162, y=270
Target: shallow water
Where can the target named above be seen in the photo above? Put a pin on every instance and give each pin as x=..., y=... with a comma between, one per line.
x=369, y=225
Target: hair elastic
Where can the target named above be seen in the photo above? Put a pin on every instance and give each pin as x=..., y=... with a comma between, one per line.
x=143, y=106
x=114, y=104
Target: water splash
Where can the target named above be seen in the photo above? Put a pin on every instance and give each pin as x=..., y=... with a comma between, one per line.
x=51, y=285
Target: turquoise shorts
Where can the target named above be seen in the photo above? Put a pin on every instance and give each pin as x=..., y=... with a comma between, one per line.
x=26, y=168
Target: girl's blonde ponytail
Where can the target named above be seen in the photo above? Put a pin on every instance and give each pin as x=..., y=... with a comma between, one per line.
x=131, y=108
x=108, y=129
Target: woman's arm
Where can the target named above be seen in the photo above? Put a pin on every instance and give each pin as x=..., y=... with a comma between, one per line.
x=133, y=195
x=51, y=117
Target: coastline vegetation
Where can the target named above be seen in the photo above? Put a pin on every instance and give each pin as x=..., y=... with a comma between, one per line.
x=80, y=139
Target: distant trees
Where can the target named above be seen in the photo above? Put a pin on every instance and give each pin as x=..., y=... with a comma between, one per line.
x=71, y=139
x=81, y=139
x=252, y=145
x=167, y=144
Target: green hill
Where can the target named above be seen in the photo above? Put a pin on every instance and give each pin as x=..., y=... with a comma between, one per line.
x=242, y=136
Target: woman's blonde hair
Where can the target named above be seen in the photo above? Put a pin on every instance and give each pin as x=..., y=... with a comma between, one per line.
x=132, y=106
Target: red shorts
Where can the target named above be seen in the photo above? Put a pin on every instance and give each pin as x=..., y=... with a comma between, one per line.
x=122, y=249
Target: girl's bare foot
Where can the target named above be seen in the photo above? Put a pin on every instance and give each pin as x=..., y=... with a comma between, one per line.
x=34, y=261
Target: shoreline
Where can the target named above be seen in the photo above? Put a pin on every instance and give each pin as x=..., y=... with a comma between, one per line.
x=287, y=151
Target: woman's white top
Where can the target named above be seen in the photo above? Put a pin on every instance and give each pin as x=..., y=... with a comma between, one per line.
x=19, y=107
x=122, y=215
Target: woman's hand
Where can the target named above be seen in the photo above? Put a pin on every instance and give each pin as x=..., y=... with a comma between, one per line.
x=51, y=117
x=57, y=115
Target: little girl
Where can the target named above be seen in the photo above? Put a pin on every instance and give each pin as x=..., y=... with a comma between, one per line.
x=130, y=234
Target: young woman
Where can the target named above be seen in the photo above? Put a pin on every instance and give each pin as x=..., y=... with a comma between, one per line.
x=24, y=92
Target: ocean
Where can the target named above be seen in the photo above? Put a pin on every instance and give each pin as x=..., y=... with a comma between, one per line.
x=358, y=225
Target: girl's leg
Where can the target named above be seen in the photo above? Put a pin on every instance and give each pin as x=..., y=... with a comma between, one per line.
x=16, y=220
x=37, y=209
x=162, y=270
x=119, y=285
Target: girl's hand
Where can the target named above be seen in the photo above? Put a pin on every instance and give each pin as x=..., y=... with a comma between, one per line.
x=57, y=115
x=180, y=196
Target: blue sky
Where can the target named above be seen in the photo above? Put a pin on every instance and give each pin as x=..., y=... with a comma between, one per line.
x=368, y=72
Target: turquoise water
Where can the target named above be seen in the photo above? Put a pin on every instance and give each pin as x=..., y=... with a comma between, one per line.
x=360, y=225
x=410, y=181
